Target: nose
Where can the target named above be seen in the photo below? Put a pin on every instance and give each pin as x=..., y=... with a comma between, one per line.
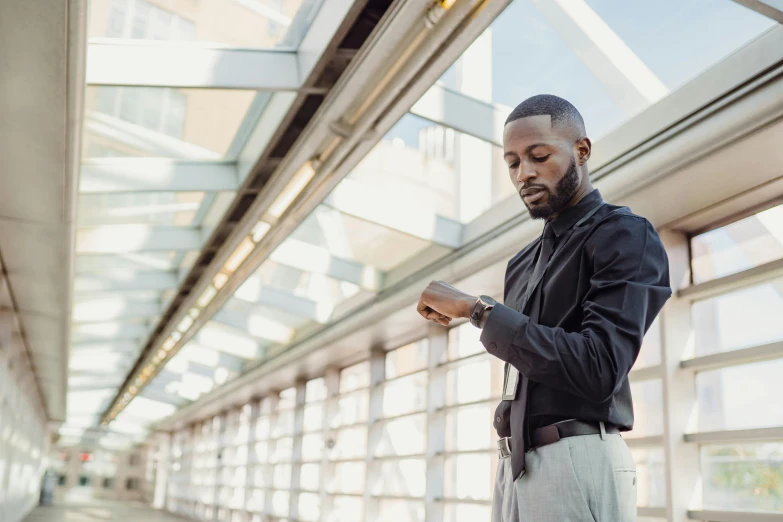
x=525, y=173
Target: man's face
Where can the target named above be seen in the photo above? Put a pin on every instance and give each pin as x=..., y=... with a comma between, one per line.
x=541, y=164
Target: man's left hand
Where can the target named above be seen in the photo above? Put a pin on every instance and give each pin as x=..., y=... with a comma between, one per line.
x=440, y=302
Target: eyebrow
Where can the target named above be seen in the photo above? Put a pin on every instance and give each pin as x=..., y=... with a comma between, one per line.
x=527, y=149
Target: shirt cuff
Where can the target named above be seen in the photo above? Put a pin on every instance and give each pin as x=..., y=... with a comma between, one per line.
x=500, y=330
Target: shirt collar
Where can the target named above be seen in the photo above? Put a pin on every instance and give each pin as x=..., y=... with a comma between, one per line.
x=568, y=217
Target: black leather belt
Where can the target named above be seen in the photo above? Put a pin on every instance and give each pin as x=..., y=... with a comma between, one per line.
x=570, y=428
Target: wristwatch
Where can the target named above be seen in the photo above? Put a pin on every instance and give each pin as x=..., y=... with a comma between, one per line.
x=483, y=303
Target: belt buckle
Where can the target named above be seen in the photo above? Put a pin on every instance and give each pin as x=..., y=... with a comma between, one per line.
x=504, y=448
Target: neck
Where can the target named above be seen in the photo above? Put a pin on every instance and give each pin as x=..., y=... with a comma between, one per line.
x=583, y=190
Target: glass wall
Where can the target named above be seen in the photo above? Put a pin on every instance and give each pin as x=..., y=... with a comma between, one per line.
x=24, y=439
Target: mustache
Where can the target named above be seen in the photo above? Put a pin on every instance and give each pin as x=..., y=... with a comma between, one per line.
x=533, y=186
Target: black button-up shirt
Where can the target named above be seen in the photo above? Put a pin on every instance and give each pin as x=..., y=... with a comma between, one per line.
x=581, y=330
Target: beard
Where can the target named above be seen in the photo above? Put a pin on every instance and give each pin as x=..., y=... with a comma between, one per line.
x=555, y=202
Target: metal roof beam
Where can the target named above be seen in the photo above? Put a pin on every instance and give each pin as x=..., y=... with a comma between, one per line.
x=138, y=65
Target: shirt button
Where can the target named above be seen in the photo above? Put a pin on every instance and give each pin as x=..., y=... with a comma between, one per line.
x=498, y=419
x=493, y=346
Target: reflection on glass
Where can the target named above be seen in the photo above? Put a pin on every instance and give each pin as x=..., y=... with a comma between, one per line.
x=162, y=122
x=469, y=428
x=739, y=397
x=743, y=477
x=405, y=395
x=742, y=245
x=405, y=360
x=605, y=57
x=468, y=477
x=739, y=319
x=278, y=24
x=647, y=408
x=406, y=436
x=651, y=487
x=400, y=478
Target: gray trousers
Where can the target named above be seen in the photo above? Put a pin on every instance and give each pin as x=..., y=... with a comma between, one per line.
x=578, y=479
x=504, y=496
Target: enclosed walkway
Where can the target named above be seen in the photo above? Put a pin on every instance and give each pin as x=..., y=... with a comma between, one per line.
x=100, y=511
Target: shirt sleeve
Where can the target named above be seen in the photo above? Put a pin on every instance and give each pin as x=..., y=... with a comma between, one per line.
x=629, y=286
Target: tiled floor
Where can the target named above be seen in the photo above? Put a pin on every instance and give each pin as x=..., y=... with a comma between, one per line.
x=100, y=511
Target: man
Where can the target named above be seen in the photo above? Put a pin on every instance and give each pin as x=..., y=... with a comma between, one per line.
x=578, y=301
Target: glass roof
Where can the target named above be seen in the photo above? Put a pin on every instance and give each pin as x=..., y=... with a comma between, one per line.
x=609, y=58
x=407, y=203
x=163, y=122
x=280, y=24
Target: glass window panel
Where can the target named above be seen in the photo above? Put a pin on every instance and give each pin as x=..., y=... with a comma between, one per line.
x=469, y=477
x=466, y=513
x=350, y=443
x=284, y=424
x=310, y=477
x=139, y=208
x=647, y=408
x=469, y=382
x=287, y=399
x=313, y=417
x=470, y=428
x=743, y=477
x=284, y=450
x=401, y=478
x=405, y=360
x=280, y=501
x=440, y=171
x=406, y=436
x=237, y=23
x=739, y=397
x=315, y=390
x=347, y=509
x=263, y=428
x=400, y=511
x=309, y=507
x=464, y=341
x=281, y=477
x=349, y=238
x=312, y=447
x=405, y=395
x=569, y=64
x=162, y=122
x=650, y=353
x=348, y=478
x=352, y=409
x=742, y=245
x=651, y=487
x=739, y=319
x=355, y=377
x=259, y=474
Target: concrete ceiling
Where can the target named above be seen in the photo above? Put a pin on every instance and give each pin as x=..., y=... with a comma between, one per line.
x=39, y=129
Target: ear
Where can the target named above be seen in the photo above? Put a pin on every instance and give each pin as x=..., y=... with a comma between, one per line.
x=583, y=149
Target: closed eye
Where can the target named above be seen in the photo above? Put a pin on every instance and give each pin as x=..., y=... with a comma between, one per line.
x=514, y=165
x=541, y=159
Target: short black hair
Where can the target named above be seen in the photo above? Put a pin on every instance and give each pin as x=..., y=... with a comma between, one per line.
x=562, y=112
